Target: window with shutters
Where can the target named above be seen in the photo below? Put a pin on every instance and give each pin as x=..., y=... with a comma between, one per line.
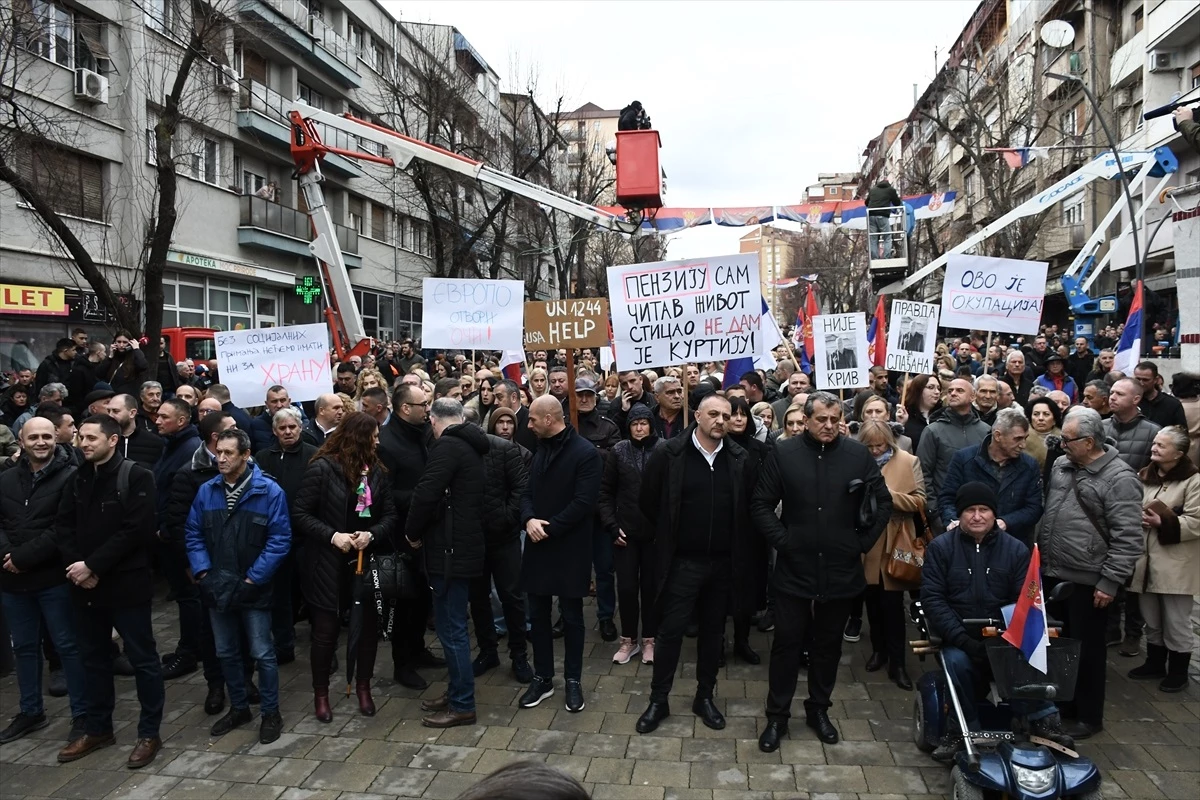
x=354, y=210
x=71, y=183
x=46, y=29
x=379, y=222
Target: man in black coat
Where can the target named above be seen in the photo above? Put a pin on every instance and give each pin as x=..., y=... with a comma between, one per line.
x=84, y=378
x=105, y=534
x=445, y=519
x=32, y=582
x=558, y=511
x=506, y=480
x=404, y=449
x=604, y=434
x=694, y=497
x=184, y=488
x=285, y=461
x=828, y=484
x=137, y=444
x=57, y=367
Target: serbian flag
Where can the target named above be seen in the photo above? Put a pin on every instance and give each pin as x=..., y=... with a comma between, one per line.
x=511, y=362
x=877, y=336
x=1027, y=629
x=1129, y=348
x=1015, y=157
x=810, y=311
x=798, y=342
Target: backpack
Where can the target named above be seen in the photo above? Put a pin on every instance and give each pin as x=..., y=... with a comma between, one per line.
x=123, y=470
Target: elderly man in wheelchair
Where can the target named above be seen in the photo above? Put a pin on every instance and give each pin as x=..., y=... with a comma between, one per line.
x=971, y=573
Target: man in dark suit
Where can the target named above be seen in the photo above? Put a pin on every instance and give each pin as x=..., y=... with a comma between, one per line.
x=840, y=353
x=911, y=338
x=557, y=512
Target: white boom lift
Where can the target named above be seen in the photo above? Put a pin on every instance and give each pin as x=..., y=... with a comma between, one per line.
x=308, y=151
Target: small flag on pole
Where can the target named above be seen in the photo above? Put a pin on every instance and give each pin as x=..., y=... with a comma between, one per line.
x=877, y=336
x=1129, y=348
x=1027, y=630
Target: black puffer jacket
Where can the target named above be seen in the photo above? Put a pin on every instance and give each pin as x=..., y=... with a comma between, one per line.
x=125, y=372
x=818, y=543
x=111, y=537
x=455, y=474
x=53, y=370
x=404, y=449
x=82, y=381
x=506, y=479
x=324, y=508
x=142, y=447
x=287, y=466
x=964, y=580
x=27, y=515
x=621, y=487
x=184, y=488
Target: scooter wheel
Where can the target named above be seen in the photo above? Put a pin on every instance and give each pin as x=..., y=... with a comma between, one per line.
x=962, y=789
x=921, y=726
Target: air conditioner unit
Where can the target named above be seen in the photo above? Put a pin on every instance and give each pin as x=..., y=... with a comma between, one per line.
x=1162, y=60
x=226, y=79
x=90, y=86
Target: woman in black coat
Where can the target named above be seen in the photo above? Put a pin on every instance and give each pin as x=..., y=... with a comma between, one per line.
x=632, y=536
x=344, y=506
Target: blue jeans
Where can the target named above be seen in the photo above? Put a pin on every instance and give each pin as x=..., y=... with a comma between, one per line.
x=880, y=234
x=26, y=612
x=606, y=580
x=969, y=674
x=95, y=625
x=227, y=633
x=450, y=619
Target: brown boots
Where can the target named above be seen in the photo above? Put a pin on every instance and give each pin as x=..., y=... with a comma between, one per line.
x=321, y=705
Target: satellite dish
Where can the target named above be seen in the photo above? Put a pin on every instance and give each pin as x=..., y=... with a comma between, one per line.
x=1058, y=34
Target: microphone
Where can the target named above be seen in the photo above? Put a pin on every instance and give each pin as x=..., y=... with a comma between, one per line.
x=1161, y=111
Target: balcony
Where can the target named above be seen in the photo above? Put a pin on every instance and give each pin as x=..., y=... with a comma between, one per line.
x=262, y=112
x=319, y=45
x=1128, y=60
x=1069, y=62
x=271, y=226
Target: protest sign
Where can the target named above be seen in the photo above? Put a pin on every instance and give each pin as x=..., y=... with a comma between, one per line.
x=295, y=357
x=993, y=294
x=674, y=312
x=840, y=351
x=582, y=322
x=472, y=314
x=912, y=337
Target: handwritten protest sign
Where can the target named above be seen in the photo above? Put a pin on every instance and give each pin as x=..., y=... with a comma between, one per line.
x=582, y=322
x=295, y=357
x=674, y=312
x=993, y=294
x=840, y=351
x=470, y=314
x=912, y=337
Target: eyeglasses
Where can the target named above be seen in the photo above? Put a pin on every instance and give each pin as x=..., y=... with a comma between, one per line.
x=1065, y=440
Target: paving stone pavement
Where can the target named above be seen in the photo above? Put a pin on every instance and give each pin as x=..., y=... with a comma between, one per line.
x=1149, y=749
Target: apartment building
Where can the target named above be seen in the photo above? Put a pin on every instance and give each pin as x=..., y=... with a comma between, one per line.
x=832, y=187
x=780, y=256
x=100, y=70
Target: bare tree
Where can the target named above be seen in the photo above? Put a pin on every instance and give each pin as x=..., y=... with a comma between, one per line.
x=177, y=70
x=838, y=258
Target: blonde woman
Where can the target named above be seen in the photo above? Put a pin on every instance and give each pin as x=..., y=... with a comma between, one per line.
x=793, y=421
x=537, y=382
x=885, y=596
x=612, y=387
x=765, y=414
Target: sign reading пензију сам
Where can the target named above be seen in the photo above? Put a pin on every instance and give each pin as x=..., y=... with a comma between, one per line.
x=675, y=312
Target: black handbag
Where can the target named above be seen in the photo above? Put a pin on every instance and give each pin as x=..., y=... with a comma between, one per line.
x=868, y=507
x=395, y=576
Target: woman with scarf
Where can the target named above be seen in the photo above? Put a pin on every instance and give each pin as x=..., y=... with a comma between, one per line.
x=1045, y=429
x=484, y=402
x=1167, y=575
x=743, y=431
x=633, y=538
x=345, y=506
x=885, y=595
x=922, y=399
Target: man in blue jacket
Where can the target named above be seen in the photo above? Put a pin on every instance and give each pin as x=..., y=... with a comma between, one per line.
x=1001, y=463
x=238, y=533
x=972, y=572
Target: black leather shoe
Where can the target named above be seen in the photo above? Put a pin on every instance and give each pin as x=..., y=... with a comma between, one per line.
x=409, y=678
x=769, y=741
x=654, y=714
x=1079, y=730
x=426, y=658
x=521, y=670
x=876, y=662
x=608, y=630
x=484, y=662
x=746, y=653
x=214, y=702
x=234, y=719
x=899, y=676
x=558, y=629
x=819, y=722
x=706, y=710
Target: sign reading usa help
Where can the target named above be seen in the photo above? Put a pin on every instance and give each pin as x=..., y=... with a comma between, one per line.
x=993, y=294
x=675, y=312
x=295, y=357
x=582, y=322
x=472, y=314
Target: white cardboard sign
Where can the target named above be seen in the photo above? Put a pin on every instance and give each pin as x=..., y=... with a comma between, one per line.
x=293, y=356
x=473, y=314
x=981, y=293
x=912, y=337
x=840, y=351
x=675, y=312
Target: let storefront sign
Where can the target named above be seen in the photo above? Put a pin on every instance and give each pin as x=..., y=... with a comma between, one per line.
x=41, y=300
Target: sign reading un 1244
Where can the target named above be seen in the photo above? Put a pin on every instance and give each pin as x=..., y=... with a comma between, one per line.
x=582, y=322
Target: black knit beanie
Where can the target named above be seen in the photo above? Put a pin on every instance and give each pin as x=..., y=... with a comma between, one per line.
x=974, y=494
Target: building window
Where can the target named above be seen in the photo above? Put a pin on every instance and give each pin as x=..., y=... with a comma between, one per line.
x=205, y=162
x=1072, y=209
x=1073, y=122
x=46, y=29
x=252, y=182
x=311, y=96
x=379, y=222
x=378, y=313
x=1195, y=76
x=198, y=301
x=162, y=16
x=72, y=183
x=408, y=318
x=1137, y=21
x=355, y=214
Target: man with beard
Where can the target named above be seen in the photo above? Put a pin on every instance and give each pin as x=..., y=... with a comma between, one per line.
x=824, y=480
x=137, y=444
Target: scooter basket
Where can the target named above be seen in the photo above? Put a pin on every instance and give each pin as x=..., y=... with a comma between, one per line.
x=1013, y=674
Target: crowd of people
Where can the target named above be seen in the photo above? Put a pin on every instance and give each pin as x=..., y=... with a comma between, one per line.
x=433, y=490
